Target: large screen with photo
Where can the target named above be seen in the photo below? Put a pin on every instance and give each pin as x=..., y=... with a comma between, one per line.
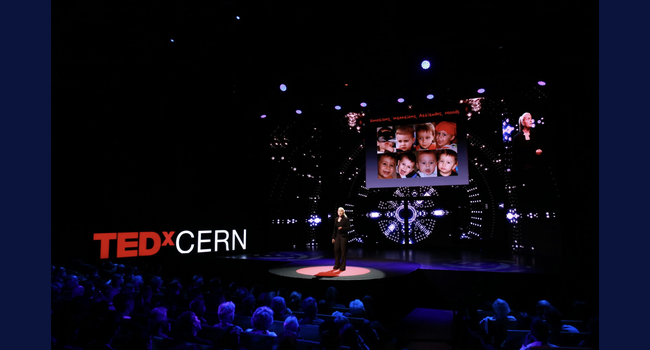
x=424, y=148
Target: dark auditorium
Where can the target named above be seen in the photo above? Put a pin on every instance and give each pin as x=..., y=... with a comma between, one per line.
x=294, y=175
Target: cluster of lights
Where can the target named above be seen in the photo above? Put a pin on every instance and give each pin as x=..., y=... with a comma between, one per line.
x=282, y=221
x=513, y=216
x=314, y=220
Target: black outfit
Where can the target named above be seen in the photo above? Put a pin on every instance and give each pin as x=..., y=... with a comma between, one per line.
x=528, y=167
x=340, y=238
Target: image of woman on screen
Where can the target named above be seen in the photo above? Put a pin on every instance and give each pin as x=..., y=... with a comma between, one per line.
x=386, y=140
x=340, y=239
x=386, y=166
x=447, y=162
x=446, y=135
x=406, y=167
x=527, y=158
x=526, y=144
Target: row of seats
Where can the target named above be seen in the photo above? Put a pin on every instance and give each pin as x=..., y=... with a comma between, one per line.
x=249, y=341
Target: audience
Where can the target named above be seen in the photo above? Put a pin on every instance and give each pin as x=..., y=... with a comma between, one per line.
x=187, y=327
x=110, y=307
x=280, y=311
x=310, y=310
x=261, y=321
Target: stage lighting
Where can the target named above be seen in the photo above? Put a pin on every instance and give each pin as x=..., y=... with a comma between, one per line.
x=363, y=104
x=426, y=64
x=172, y=40
x=283, y=87
x=374, y=214
x=298, y=111
x=338, y=108
x=541, y=83
x=400, y=100
x=480, y=91
x=439, y=212
x=263, y=116
x=237, y=17
x=430, y=96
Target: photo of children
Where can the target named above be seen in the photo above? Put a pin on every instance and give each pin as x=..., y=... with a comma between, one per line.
x=386, y=166
x=425, y=134
x=426, y=164
x=405, y=136
x=406, y=168
x=446, y=135
x=447, y=162
x=385, y=140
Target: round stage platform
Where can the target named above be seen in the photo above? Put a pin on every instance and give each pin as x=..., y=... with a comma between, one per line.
x=356, y=270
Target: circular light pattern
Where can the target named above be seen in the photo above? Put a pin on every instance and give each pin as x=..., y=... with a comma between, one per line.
x=400, y=100
x=541, y=83
x=263, y=116
x=363, y=104
x=298, y=111
x=430, y=96
x=480, y=91
x=338, y=108
x=425, y=64
x=283, y=87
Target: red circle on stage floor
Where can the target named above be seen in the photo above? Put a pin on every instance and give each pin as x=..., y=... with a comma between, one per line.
x=328, y=271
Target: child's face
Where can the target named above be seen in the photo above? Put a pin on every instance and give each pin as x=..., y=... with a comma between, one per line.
x=425, y=138
x=405, y=166
x=405, y=142
x=427, y=163
x=446, y=164
x=386, y=167
x=443, y=138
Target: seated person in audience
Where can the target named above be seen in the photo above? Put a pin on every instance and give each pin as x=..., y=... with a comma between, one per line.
x=351, y=339
x=366, y=331
x=279, y=307
x=247, y=306
x=540, y=309
x=495, y=328
x=332, y=296
x=310, y=308
x=591, y=341
x=226, y=315
x=187, y=327
x=538, y=336
x=554, y=320
x=198, y=306
x=158, y=324
x=291, y=326
x=130, y=333
x=330, y=336
x=295, y=301
x=231, y=338
x=261, y=321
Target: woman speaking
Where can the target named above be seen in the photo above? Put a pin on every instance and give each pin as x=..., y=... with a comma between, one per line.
x=340, y=239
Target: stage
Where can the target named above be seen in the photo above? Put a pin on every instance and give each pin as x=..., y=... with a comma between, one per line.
x=439, y=279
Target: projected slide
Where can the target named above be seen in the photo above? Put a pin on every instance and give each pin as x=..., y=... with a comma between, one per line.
x=421, y=149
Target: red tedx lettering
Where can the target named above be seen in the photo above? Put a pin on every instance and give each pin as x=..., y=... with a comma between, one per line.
x=104, y=238
x=123, y=244
x=168, y=238
x=142, y=248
